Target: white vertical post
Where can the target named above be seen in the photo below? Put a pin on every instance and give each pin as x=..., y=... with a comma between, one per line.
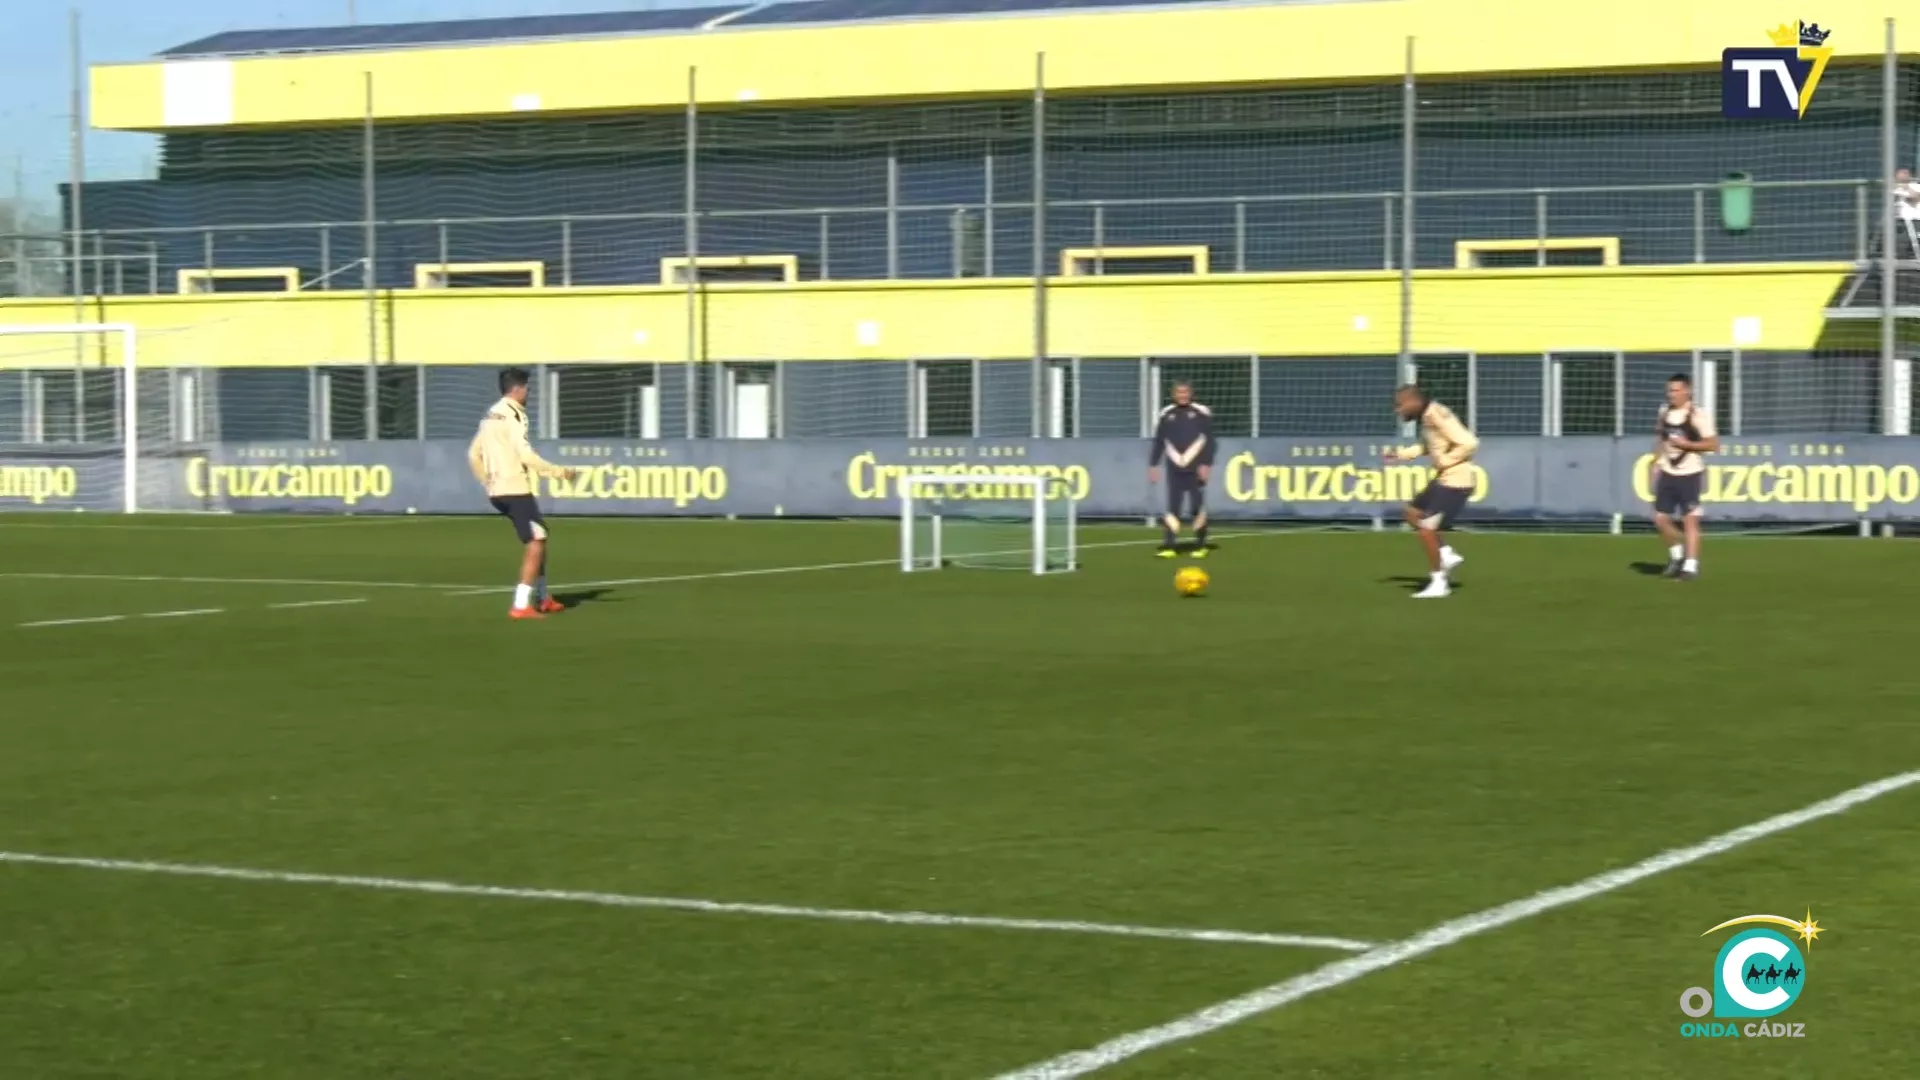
x=130, y=424
x=1473, y=391
x=906, y=527
x=1039, y=527
x=1902, y=397
x=1619, y=395
x=1736, y=409
x=1073, y=537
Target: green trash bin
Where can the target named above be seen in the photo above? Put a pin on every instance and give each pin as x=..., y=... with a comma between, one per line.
x=1736, y=202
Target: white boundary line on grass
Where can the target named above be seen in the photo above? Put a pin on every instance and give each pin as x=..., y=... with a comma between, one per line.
x=25, y=575
x=673, y=903
x=84, y=621
x=455, y=589
x=181, y=614
x=265, y=526
x=1340, y=972
x=770, y=571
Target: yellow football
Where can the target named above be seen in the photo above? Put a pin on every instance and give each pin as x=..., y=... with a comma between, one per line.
x=1190, y=581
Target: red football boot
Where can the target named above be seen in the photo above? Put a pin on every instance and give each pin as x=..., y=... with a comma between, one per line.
x=550, y=606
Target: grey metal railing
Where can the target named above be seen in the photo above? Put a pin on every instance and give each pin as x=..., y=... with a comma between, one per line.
x=1668, y=224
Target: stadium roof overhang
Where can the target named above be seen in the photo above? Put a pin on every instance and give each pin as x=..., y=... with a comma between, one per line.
x=451, y=70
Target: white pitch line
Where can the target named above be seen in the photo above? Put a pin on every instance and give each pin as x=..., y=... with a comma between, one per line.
x=716, y=575
x=456, y=589
x=182, y=614
x=770, y=571
x=1340, y=972
x=673, y=903
x=346, y=523
x=314, y=603
x=72, y=622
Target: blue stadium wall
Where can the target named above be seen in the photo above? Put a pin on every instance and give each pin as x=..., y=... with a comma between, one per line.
x=1565, y=132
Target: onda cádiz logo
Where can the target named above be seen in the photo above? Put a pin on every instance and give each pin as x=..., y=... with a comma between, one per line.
x=1776, y=83
x=1758, y=974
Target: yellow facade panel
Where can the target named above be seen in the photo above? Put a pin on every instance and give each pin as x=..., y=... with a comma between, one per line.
x=1085, y=51
x=1354, y=314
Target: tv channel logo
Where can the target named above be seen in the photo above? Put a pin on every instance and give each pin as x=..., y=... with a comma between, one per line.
x=1758, y=974
x=1775, y=83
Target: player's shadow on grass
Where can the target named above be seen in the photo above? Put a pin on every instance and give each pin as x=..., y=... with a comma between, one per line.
x=587, y=596
x=1648, y=569
x=1415, y=582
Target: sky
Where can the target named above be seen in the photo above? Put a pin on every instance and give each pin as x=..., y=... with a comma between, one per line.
x=36, y=76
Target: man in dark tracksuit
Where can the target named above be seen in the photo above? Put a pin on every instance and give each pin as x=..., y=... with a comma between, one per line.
x=1184, y=440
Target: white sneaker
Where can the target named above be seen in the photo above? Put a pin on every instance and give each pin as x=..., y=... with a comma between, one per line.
x=1451, y=560
x=1435, y=590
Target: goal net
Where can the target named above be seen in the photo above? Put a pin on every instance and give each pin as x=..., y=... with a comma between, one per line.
x=1023, y=523
x=75, y=416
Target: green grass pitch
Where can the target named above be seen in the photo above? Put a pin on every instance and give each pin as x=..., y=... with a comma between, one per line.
x=1303, y=752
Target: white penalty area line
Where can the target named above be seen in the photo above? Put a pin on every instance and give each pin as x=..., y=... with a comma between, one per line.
x=673, y=903
x=1341, y=972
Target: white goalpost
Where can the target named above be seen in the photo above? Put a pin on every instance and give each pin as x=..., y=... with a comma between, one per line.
x=36, y=363
x=994, y=522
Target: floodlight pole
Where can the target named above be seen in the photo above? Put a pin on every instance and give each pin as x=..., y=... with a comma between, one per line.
x=1890, y=410
x=75, y=200
x=1409, y=105
x=369, y=268
x=1040, y=348
x=691, y=225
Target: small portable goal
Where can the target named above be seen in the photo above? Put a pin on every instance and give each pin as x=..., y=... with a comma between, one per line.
x=987, y=522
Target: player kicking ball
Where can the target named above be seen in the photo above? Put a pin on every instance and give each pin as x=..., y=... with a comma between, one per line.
x=505, y=463
x=1684, y=432
x=1450, y=446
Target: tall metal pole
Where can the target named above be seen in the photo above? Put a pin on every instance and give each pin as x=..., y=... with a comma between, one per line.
x=369, y=266
x=19, y=228
x=1409, y=106
x=692, y=225
x=1889, y=274
x=1039, y=242
x=76, y=205
x=353, y=14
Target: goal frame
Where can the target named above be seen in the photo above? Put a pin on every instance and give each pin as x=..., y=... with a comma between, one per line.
x=129, y=393
x=1037, y=502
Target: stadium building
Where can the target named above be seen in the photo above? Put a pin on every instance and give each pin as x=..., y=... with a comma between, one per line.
x=817, y=219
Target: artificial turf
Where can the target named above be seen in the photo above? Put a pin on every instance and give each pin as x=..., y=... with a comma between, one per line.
x=1304, y=751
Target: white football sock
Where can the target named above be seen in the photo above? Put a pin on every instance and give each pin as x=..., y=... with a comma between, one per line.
x=1446, y=551
x=1691, y=565
x=522, y=595
x=1676, y=551
x=1439, y=577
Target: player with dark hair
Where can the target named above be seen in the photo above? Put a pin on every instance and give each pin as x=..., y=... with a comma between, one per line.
x=1445, y=440
x=504, y=462
x=1683, y=432
x=1183, y=438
